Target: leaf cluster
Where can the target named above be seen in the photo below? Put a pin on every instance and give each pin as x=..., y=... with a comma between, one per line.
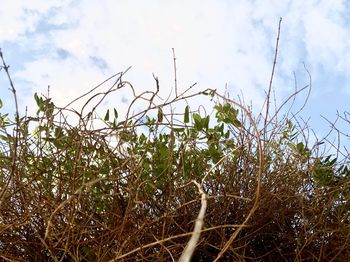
x=73, y=195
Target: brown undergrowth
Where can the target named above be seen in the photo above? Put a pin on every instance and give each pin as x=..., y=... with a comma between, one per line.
x=70, y=194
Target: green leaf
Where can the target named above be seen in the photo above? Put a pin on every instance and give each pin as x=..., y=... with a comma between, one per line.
x=227, y=114
x=3, y=138
x=150, y=121
x=142, y=138
x=179, y=130
x=0, y=103
x=323, y=176
x=197, y=121
x=187, y=115
x=115, y=114
x=291, y=146
x=36, y=98
x=332, y=162
x=106, y=118
x=206, y=122
x=300, y=147
x=40, y=102
x=220, y=128
x=160, y=115
x=58, y=132
x=236, y=123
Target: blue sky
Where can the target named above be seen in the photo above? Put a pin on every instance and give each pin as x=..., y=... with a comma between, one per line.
x=74, y=45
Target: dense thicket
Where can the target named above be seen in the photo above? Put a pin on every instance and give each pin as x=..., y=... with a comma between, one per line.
x=123, y=192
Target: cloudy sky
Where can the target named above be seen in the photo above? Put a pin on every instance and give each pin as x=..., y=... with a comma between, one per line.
x=72, y=45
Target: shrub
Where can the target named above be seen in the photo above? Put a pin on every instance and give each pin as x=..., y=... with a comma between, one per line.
x=70, y=194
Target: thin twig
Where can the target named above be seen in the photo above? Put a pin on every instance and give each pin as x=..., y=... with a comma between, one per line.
x=15, y=144
x=258, y=178
x=171, y=238
x=192, y=243
x=271, y=78
x=175, y=74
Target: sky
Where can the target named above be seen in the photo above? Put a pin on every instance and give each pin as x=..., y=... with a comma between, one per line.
x=73, y=45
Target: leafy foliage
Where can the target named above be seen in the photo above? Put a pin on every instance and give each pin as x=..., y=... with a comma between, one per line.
x=70, y=194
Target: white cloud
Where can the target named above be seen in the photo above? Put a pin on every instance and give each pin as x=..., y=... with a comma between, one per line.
x=216, y=42
x=18, y=17
x=209, y=46
x=326, y=40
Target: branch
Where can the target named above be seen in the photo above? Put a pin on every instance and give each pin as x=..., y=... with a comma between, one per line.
x=191, y=245
x=272, y=75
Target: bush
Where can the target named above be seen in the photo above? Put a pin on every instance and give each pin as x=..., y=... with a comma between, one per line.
x=70, y=194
